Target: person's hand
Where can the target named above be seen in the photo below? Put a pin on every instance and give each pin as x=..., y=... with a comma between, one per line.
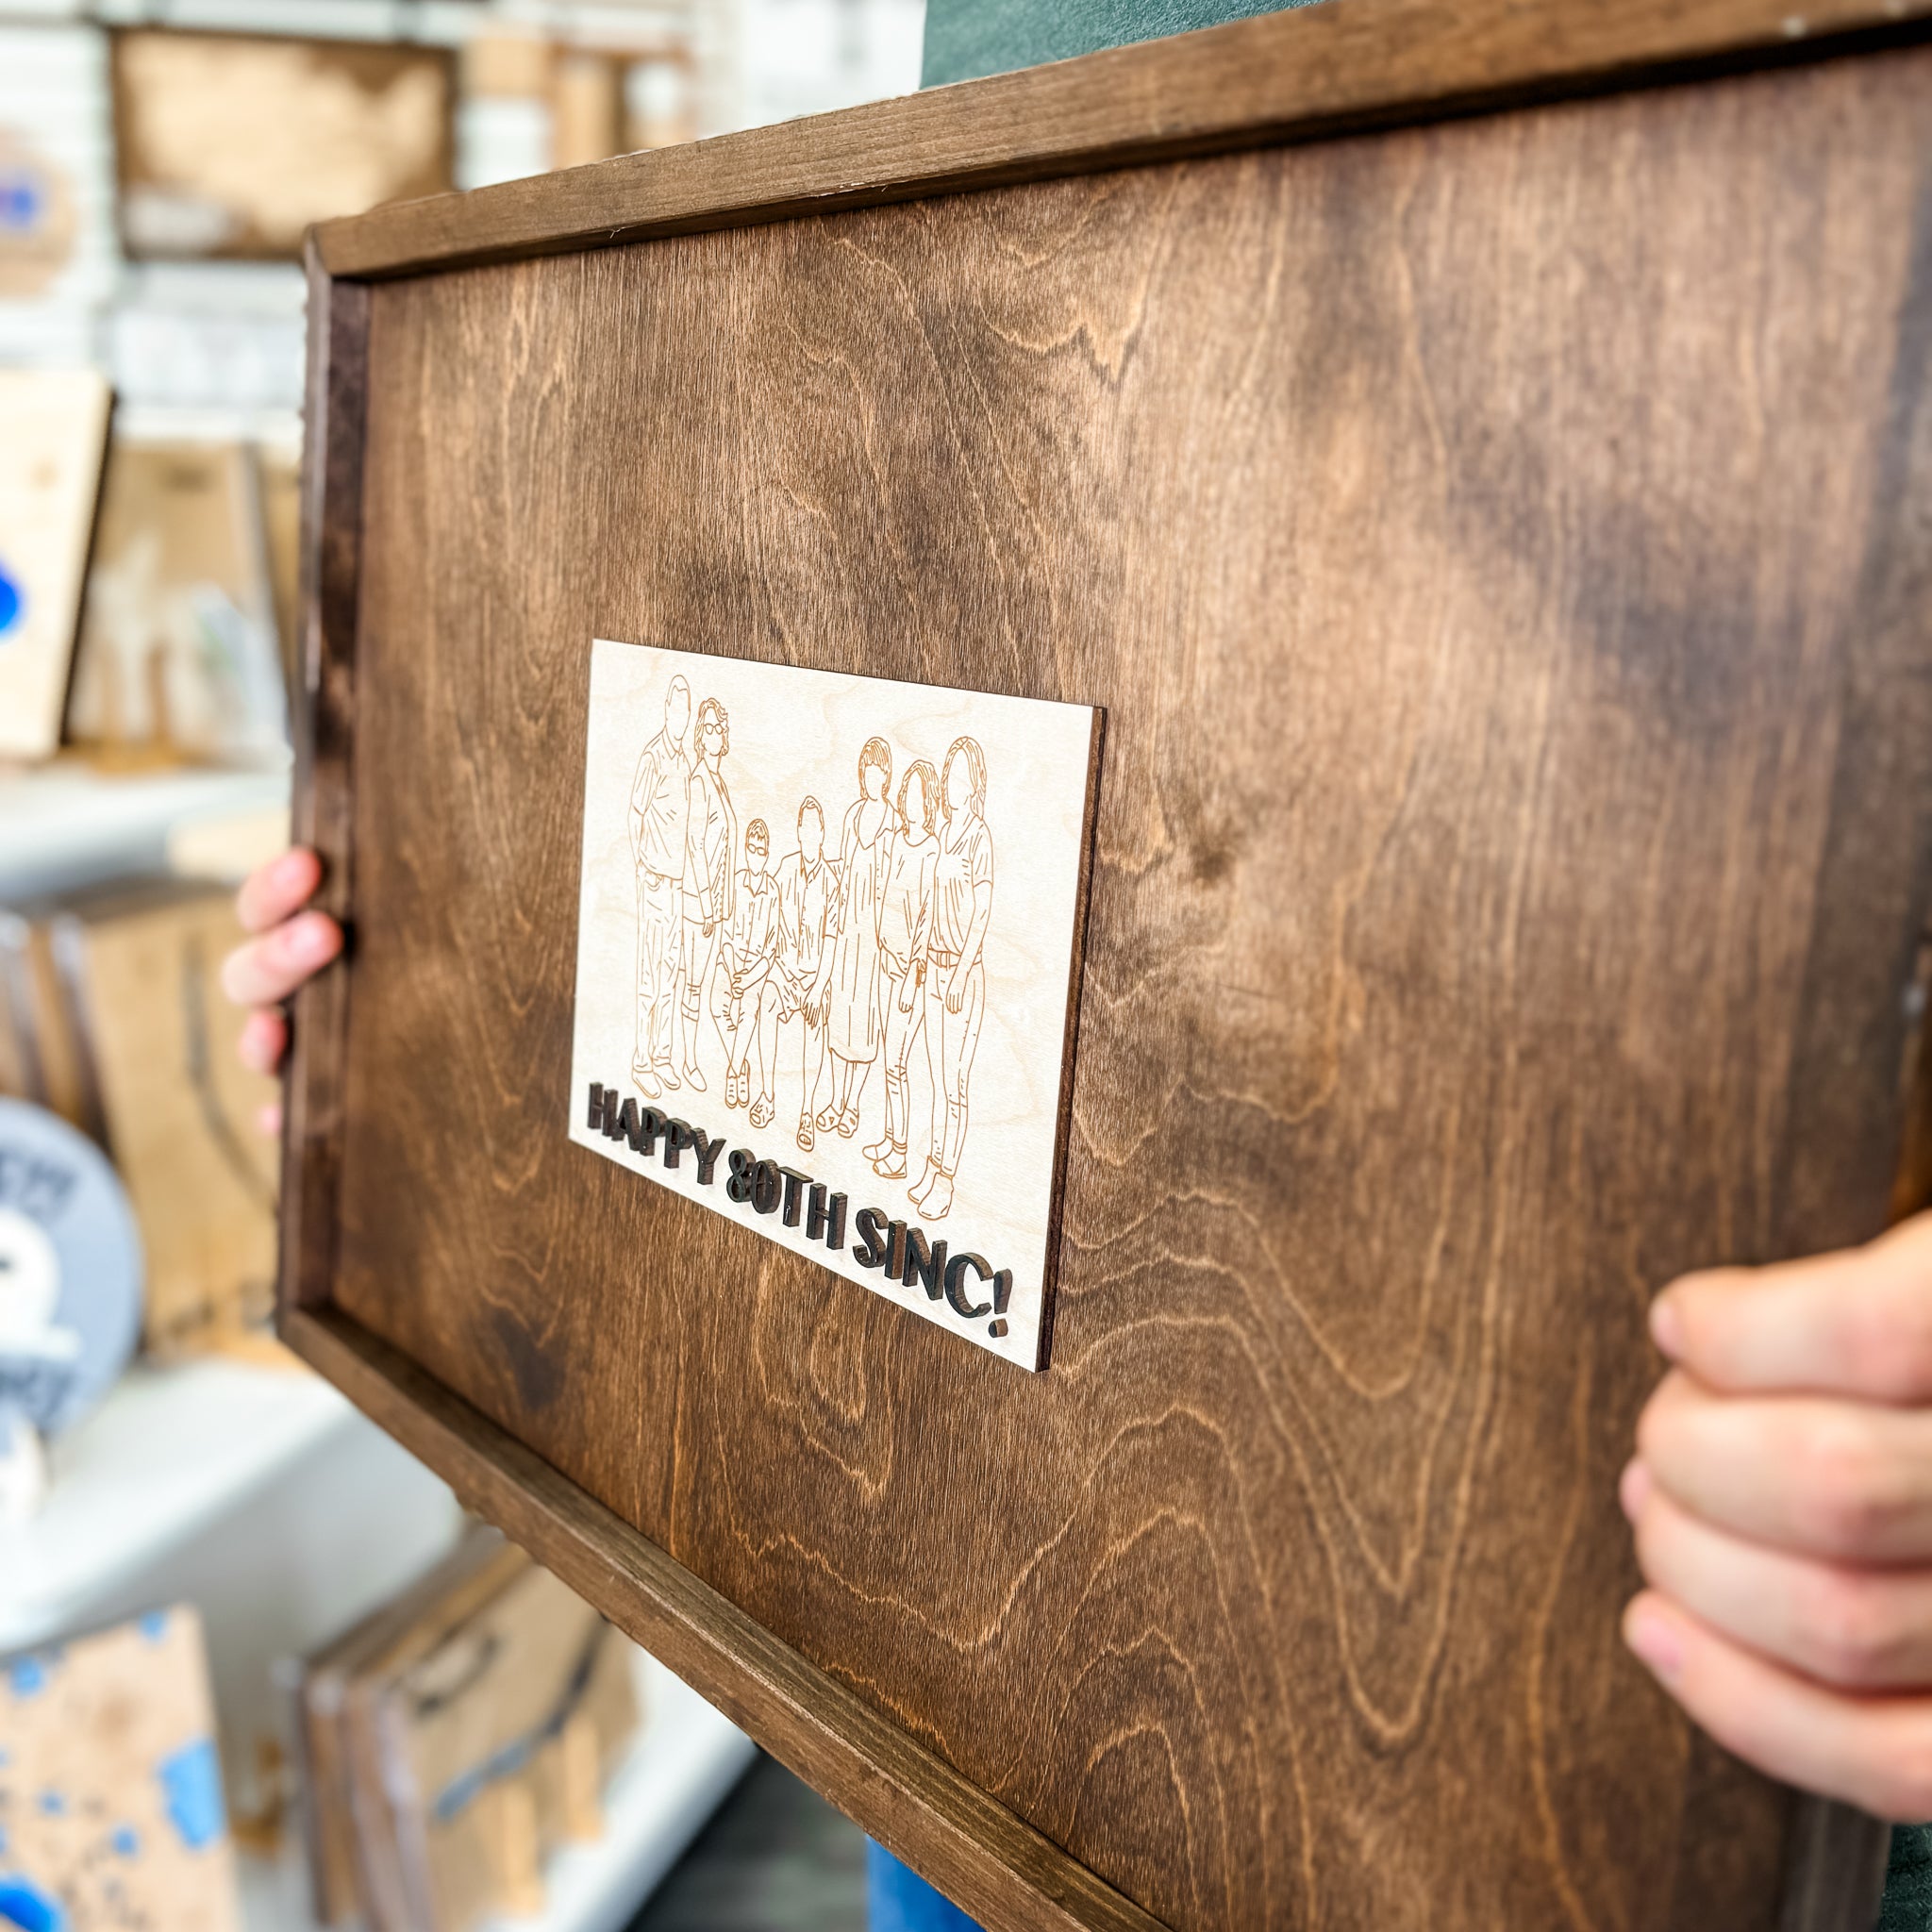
x=292, y=945
x=955, y=991
x=905, y=986
x=1782, y=1501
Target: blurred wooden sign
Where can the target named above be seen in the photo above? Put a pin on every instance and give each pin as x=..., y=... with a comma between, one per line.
x=179, y=654
x=110, y=1786
x=231, y=144
x=53, y=437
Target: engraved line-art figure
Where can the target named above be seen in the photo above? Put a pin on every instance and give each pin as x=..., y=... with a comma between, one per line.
x=856, y=1024
x=660, y=819
x=954, y=969
x=711, y=842
x=904, y=927
x=797, y=981
x=744, y=961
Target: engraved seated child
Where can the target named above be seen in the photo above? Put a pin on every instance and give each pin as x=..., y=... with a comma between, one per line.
x=745, y=962
x=798, y=983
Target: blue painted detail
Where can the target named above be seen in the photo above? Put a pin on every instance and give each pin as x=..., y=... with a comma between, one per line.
x=23, y=202
x=154, y=1626
x=13, y=600
x=26, y=1676
x=898, y=1900
x=126, y=1842
x=24, y=1904
x=53, y=1803
x=192, y=1783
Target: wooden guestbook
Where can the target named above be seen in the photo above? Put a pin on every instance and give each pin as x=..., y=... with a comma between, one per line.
x=1301, y=658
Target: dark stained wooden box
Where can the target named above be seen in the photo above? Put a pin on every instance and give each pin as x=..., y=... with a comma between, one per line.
x=1479, y=457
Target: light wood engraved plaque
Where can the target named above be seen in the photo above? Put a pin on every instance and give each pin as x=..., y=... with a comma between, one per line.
x=1476, y=460
x=836, y=920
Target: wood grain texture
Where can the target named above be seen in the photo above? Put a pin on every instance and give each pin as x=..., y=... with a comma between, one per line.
x=337, y=402
x=1346, y=64
x=1499, y=548
x=914, y=1803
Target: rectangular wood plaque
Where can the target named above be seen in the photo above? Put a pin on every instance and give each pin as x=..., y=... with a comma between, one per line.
x=837, y=919
x=1477, y=458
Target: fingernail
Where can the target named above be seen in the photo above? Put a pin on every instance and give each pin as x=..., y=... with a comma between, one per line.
x=267, y=1120
x=1655, y=1642
x=290, y=867
x=1666, y=1326
x=1633, y=1488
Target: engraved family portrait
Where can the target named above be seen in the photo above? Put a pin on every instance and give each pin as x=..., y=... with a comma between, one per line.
x=832, y=916
x=797, y=973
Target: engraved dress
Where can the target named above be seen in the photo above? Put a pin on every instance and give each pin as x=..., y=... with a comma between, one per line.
x=857, y=1023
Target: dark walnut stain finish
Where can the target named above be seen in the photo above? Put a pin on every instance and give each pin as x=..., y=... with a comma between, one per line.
x=1501, y=550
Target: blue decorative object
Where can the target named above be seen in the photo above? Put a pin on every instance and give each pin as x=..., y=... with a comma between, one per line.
x=126, y=1842
x=24, y=1904
x=191, y=1780
x=154, y=1625
x=12, y=600
x=26, y=1676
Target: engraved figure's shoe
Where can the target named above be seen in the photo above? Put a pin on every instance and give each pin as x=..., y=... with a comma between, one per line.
x=926, y=1181
x=805, y=1139
x=827, y=1120
x=693, y=1078
x=761, y=1112
x=893, y=1166
x=939, y=1196
x=646, y=1080
x=848, y=1123
x=877, y=1151
x=666, y=1073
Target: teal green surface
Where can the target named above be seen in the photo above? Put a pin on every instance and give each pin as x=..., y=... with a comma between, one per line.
x=1908, y=1881
x=965, y=38
x=968, y=37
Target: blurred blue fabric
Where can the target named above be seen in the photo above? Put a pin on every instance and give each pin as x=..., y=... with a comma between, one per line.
x=900, y=1901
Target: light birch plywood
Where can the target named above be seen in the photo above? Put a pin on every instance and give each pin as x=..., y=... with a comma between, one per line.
x=826, y=945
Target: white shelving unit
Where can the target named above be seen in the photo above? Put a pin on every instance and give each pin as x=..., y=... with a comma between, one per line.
x=68, y=824
x=260, y=1495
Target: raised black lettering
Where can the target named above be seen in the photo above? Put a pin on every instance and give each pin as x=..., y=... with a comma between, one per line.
x=795, y=1185
x=739, y=1186
x=868, y=1250
x=595, y=1121
x=625, y=1127
x=707, y=1153
x=896, y=1250
x=955, y=1285
x=766, y=1187
x=1002, y=1294
x=923, y=1264
x=677, y=1137
x=644, y=1136
x=824, y=1220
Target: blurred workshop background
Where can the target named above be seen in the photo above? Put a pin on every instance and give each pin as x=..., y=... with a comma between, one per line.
x=256, y=1669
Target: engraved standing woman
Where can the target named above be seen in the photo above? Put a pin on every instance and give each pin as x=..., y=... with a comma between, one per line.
x=857, y=1025
x=904, y=918
x=955, y=966
x=710, y=841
